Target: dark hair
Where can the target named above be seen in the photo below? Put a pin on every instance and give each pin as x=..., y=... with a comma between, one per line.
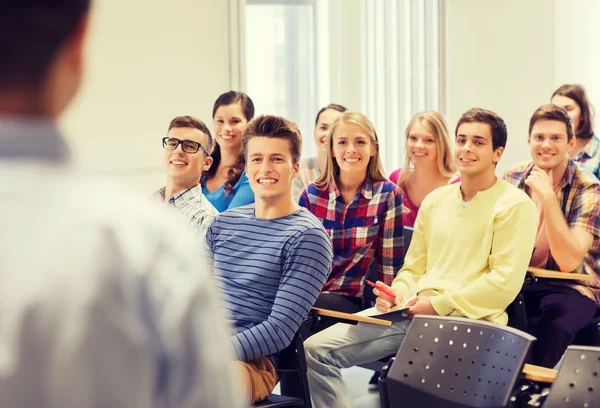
x=552, y=112
x=478, y=115
x=585, y=129
x=274, y=127
x=333, y=106
x=31, y=35
x=195, y=123
x=229, y=98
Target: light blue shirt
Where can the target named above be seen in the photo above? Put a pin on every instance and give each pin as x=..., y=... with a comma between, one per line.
x=241, y=194
x=105, y=299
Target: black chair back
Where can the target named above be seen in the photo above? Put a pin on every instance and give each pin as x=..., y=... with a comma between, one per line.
x=407, y=234
x=291, y=369
x=578, y=381
x=451, y=362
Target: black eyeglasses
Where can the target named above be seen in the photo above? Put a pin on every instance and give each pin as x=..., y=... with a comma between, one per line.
x=188, y=146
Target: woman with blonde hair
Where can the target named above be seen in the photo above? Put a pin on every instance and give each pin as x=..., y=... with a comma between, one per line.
x=428, y=164
x=361, y=211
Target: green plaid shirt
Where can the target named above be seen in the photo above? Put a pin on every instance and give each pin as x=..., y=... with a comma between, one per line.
x=579, y=196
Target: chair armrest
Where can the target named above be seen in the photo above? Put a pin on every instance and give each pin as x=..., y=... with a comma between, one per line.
x=539, y=374
x=544, y=273
x=350, y=318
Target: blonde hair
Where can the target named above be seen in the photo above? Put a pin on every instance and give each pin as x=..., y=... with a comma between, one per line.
x=435, y=122
x=332, y=169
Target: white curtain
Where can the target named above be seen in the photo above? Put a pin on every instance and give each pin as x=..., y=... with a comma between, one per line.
x=401, y=49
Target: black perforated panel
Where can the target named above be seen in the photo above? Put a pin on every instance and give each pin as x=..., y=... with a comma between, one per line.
x=467, y=362
x=578, y=380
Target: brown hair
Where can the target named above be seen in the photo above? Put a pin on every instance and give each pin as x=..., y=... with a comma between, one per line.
x=274, y=127
x=479, y=115
x=195, y=123
x=552, y=112
x=585, y=129
x=31, y=34
x=332, y=169
x=435, y=122
x=234, y=174
x=333, y=106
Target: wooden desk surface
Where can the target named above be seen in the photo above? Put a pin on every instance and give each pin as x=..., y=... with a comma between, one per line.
x=349, y=316
x=544, y=273
x=541, y=374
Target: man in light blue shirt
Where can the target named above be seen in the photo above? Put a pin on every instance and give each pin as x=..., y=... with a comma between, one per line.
x=104, y=302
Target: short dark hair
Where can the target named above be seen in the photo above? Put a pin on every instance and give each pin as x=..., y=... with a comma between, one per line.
x=576, y=92
x=31, y=35
x=334, y=106
x=274, y=127
x=479, y=115
x=552, y=112
x=195, y=123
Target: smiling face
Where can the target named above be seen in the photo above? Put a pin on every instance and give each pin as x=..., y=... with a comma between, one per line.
x=270, y=168
x=421, y=145
x=326, y=119
x=474, y=152
x=182, y=168
x=229, y=123
x=352, y=149
x=549, y=144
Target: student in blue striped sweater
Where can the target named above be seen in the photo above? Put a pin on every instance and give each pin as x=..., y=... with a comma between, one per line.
x=271, y=257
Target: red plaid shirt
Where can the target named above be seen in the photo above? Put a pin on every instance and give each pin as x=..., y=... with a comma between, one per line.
x=368, y=230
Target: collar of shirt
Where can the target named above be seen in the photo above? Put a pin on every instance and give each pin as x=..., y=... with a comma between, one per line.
x=459, y=195
x=32, y=138
x=182, y=197
x=567, y=178
x=591, y=147
x=366, y=190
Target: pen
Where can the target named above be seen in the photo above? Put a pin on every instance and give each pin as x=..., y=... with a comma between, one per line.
x=384, y=290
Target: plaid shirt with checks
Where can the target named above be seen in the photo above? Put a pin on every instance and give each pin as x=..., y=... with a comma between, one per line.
x=589, y=157
x=366, y=231
x=193, y=205
x=581, y=208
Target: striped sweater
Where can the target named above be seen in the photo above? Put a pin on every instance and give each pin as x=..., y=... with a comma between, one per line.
x=269, y=273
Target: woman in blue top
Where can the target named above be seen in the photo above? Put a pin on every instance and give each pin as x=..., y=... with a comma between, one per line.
x=225, y=184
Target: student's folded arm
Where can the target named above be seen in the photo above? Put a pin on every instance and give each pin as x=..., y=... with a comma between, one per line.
x=512, y=244
x=569, y=242
x=306, y=267
x=415, y=260
x=389, y=250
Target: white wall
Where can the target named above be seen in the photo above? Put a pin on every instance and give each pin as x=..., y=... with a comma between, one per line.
x=577, y=54
x=345, y=62
x=148, y=61
x=500, y=56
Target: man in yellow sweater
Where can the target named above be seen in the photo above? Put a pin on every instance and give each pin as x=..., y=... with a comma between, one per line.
x=468, y=256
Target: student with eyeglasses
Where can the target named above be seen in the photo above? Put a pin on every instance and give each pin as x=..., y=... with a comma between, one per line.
x=187, y=154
